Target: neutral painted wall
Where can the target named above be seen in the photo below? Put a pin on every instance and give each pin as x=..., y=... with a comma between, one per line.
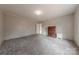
x=76, y=26
x=16, y=26
x=1, y=27
x=64, y=25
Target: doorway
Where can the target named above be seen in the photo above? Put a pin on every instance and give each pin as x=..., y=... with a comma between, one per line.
x=52, y=31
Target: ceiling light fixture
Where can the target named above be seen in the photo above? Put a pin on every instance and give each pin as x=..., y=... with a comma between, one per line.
x=38, y=12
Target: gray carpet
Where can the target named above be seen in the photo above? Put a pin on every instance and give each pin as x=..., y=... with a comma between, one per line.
x=38, y=45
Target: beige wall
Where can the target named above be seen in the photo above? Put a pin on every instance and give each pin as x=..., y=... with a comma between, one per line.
x=76, y=26
x=64, y=25
x=16, y=26
x=1, y=27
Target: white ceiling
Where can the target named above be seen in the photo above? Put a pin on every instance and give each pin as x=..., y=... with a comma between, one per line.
x=50, y=11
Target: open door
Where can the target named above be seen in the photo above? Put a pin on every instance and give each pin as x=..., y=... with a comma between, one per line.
x=52, y=31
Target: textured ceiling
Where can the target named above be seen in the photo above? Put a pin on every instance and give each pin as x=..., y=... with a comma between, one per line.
x=50, y=11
